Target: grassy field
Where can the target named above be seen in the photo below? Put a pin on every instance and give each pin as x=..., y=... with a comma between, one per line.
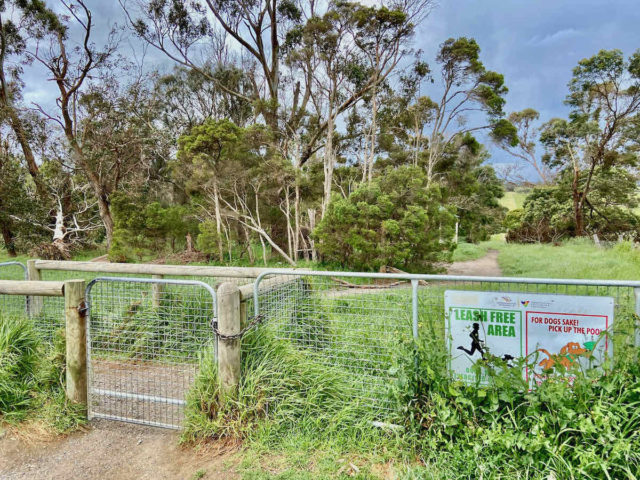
x=513, y=200
x=573, y=259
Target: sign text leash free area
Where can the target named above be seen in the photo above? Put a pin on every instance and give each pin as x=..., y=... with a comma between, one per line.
x=545, y=328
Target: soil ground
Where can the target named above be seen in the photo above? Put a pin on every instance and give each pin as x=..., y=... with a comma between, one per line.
x=486, y=266
x=111, y=451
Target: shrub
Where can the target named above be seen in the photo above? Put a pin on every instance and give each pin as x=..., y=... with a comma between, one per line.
x=396, y=220
x=207, y=241
x=143, y=228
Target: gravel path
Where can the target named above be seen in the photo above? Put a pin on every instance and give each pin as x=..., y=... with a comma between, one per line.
x=111, y=451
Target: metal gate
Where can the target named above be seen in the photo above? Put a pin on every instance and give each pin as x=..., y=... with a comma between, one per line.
x=145, y=338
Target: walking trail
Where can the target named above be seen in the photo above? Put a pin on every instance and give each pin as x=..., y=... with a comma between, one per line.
x=110, y=451
x=486, y=266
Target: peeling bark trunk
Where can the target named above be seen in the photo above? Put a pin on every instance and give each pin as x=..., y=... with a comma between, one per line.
x=328, y=166
x=216, y=202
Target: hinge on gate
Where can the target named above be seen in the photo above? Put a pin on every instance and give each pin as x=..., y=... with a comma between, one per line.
x=83, y=309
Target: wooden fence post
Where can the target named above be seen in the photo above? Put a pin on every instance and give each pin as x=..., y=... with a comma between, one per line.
x=229, y=354
x=157, y=291
x=35, y=303
x=76, y=340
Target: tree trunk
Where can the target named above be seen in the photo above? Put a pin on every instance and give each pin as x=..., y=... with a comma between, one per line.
x=264, y=251
x=247, y=236
x=577, y=203
x=297, y=219
x=328, y=166
x=7, y=237
x=105, y=216
x=290, y=233
x=216, y=201
x=374, y=127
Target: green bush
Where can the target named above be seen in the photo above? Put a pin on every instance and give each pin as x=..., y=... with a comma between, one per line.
x=207, y=241
x=143, y=228
x=396, y=220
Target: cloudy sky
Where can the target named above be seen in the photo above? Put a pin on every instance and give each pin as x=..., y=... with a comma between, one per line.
x=534, y=43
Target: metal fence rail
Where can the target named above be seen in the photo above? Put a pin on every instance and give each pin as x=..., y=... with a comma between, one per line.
x=145, y=338
x=49, y=311
x=9, y=304
x=361, y=323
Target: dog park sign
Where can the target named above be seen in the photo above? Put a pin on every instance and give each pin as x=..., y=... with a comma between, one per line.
x=547, y=329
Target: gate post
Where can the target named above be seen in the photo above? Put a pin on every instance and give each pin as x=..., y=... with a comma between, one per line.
x=229, y=324
x=76, y=340
x=636, y=322
x=35, y=303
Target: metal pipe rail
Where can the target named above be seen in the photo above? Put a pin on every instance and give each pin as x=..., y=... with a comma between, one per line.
x=17, y=264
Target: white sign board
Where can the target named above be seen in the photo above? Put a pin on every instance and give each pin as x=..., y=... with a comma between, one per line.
x=544, y=328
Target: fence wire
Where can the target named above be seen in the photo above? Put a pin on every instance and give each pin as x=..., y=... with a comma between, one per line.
x=48, y=313
x=357, y=332
x=361, y=326
x=13, y=305
x=145, y=341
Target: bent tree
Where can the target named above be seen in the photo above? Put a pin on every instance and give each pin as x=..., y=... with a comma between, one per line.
x=604, y=96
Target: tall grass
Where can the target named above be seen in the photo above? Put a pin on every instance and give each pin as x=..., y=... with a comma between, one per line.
x=587, y=430
x=18, y=366
x=32, y=378
x=282, y=392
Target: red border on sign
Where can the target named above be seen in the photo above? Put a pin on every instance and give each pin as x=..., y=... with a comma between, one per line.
x=526, y=322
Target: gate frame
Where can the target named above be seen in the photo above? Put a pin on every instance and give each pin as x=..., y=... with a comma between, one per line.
x=128, y=395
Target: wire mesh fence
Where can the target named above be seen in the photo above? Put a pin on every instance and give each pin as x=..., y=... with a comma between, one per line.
x=361, y=324
x=13, y=304
x=359, y=330
x=49, y=311
x=145, y=339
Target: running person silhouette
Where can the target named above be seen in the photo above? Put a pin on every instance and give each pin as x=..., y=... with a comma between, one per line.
x=476, y=344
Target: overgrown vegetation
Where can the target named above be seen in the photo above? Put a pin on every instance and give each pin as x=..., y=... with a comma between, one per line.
x=290, y=402
x=32, y=378
x=589, y=429
x=281, y=391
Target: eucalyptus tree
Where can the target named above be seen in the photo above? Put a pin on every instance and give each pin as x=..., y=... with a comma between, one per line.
x=471, y=98
x=601, y=130
x=518, y=135
x=21, y=22
x=71, y=67
x=270, y=35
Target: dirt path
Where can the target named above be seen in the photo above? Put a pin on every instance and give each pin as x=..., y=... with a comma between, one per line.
x=486, y=266
x=111, y=451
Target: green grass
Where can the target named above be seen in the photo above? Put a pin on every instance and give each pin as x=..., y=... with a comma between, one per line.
x=513, y=200
x=470, y=251
x=578, y=258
